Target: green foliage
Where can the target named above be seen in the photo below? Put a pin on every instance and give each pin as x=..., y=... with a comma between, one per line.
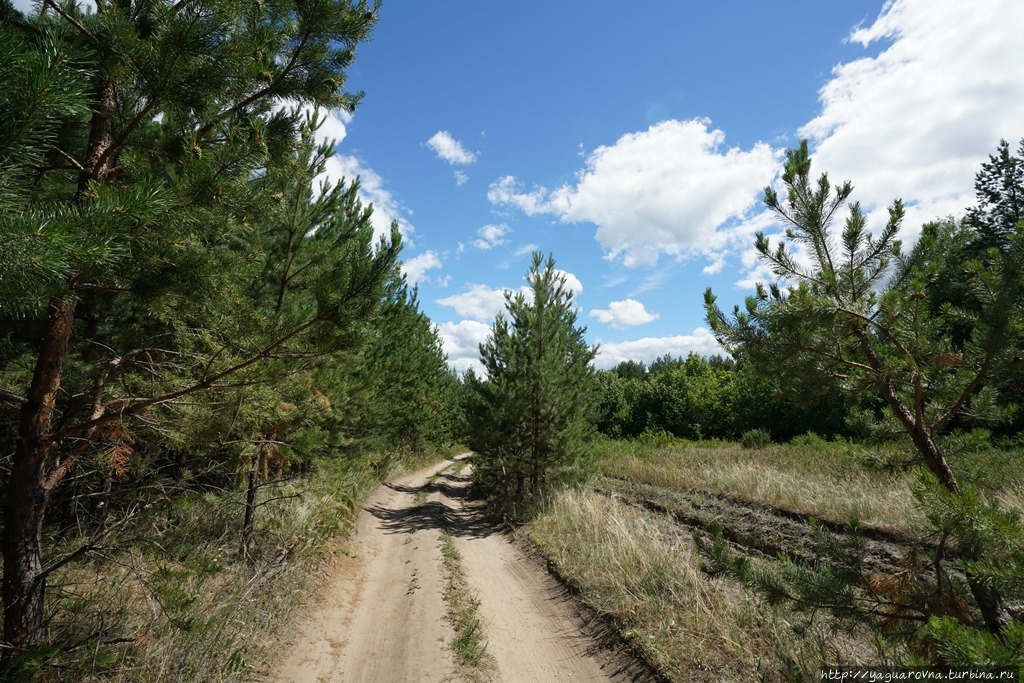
x=411, y=394
x=999, y=187
x=529, y=419
x=630, y=369
x=698, y=398
x=947, y=642
x=186, y=303
x=755, y=439
x=858, y=319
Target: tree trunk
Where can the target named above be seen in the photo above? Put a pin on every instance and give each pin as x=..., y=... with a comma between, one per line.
x=101, y=137
x=250, y=509
x=990, y=603
x=993, y=610
x=27, y=493
x=919, y=433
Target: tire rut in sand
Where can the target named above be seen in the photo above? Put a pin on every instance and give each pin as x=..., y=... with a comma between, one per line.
x=381, y=615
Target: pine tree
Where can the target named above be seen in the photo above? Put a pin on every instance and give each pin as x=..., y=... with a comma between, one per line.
x=530, y=416
x=411, y=392
x=858, y=318
x=999, y=187
x=135, y=139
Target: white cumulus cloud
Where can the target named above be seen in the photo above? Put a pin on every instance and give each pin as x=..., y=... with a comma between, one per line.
x=449, y=149
x=490, y=236
x=667, y=190
x=508, y=190
x=623, y=314
x=415, y=269
x=479, y=302
x=916, y=120
x=461, y=342
x=572, y=283
x=483, y=303
x=648, y=349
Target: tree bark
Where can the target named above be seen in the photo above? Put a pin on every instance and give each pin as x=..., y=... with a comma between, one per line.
x=101, y=137
x=990, y=603
x=249, y=519
x=28, y=494
x=29, y=491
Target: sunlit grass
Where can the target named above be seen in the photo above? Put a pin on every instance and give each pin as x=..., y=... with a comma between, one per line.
x=172, y=598
x=831, y=481
x=468, y=644
x=645, y=576
x=828, y=486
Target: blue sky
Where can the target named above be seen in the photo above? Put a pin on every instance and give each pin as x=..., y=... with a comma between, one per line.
x=633, y=141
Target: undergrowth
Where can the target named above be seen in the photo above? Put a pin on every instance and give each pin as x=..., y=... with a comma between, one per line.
x=172, y=598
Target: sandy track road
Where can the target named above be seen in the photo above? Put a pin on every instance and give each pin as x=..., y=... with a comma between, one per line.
x=379, y=618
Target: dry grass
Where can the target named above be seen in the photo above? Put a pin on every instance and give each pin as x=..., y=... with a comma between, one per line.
x=644, y=574
x=173, y=599
x=827, y=485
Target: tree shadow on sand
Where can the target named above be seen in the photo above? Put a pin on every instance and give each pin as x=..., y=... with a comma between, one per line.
x=449, y=510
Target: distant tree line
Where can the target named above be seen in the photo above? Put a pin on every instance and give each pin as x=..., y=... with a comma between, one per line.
x=707, y=398
x=960, y=270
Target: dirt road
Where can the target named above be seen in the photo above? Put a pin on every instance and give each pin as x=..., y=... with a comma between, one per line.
x=381, y=616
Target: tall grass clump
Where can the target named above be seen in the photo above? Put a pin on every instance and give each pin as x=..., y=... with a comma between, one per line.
x=645, y=577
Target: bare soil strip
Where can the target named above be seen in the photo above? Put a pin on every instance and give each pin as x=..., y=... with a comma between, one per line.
x=380, y=616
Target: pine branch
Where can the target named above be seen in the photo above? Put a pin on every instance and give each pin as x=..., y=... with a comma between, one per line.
x=139, y=405
x=11, y=396
x=71, y=20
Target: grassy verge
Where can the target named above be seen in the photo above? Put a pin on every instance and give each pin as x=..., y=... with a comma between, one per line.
x=832, y=481
x=645, y=576
x=639, y=568
x=172, y=599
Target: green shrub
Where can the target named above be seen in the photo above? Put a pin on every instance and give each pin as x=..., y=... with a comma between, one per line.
x=756, y=439
x=811, y=441
x=658, y=438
